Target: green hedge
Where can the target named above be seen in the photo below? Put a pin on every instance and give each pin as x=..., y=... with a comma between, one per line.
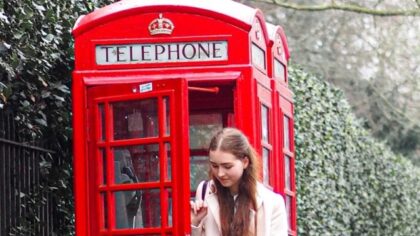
x=347, y=182
x=36, y=60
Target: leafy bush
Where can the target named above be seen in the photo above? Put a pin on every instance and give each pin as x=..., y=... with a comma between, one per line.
x=347, y=182
x=36, y=60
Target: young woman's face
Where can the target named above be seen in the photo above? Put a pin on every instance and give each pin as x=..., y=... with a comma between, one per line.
x=227, y=168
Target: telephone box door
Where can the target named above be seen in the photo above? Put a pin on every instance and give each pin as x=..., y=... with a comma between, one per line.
x=138, y=162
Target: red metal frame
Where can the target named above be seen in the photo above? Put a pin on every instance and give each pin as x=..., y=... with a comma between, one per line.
x=243, y=87
x=173, y=89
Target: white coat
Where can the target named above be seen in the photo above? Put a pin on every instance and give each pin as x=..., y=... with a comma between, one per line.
x=271, y=214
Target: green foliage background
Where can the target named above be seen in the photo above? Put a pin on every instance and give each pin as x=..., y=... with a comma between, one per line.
x=36, y=60
x=347, y=183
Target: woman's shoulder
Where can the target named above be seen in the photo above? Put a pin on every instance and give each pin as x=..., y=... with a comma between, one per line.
x=273, y=202
x=267, y=194
x=205, y=188
x=211, y=186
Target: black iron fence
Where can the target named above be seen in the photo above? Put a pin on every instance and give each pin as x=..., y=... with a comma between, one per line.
x=25, y=208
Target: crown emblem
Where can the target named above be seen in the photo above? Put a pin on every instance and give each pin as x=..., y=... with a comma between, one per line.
x=161, y=26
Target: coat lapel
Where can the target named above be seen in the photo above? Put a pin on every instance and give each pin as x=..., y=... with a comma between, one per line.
x=267, y=208
x=213, y=207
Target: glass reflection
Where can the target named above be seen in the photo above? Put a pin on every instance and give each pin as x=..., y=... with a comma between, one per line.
x=169, y=161
x=135, y=119
x=286, y=132
x=266, y=169
x=137, y=209
x=289, y=210
x=287, y=172
x=199, y=170
x=136, y=164
x=102, y=122
x=203, y=126
x=102, y=154
x=167, y=125
x=279, y=70
x=168, y=201
x=264, y=123
x=104, y=210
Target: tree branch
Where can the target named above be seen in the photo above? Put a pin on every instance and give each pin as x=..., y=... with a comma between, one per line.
x=402, y=118
x=346, y=7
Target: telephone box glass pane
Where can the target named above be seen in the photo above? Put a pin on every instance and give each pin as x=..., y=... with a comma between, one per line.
x=266, y=172
x=199, y=170
x=137, y=164
x=167, y=116
x=287, y=171
x=128, y=209
x=102, y=159
x=202, y=127
x=168, y=201
x=135, y=119
x=264, y=123
x=258, y=56
x=102, y=122
x=104, y=211
x=286, y=132
x=137, y=209
x=279, y=70
x=289, y=210
x=151, y=208
x=169, y=161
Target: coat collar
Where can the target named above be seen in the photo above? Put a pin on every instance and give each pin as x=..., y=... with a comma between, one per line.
x=213, y=205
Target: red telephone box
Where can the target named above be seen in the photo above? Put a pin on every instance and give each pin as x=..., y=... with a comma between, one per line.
x=153, y=80
x=282, y=97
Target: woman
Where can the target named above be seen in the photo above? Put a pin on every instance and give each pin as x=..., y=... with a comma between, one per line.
x=235, y=203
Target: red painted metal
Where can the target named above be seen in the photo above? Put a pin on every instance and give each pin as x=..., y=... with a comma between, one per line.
x=283, y=106
x=115, y=93
x=235, y=86
x=79, y=161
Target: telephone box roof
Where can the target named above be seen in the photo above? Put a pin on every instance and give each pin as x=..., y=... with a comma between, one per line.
x=272, y=30
x=227, y=10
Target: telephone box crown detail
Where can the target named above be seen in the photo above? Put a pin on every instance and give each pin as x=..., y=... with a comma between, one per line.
x=161, y=26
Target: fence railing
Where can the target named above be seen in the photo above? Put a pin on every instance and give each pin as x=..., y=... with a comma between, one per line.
x=23, y=206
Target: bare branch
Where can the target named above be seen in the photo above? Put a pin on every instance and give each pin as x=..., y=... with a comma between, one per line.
x=405, y=120
x=346, y=7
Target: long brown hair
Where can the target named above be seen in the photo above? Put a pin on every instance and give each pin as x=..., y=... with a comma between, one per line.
x=236, y=223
